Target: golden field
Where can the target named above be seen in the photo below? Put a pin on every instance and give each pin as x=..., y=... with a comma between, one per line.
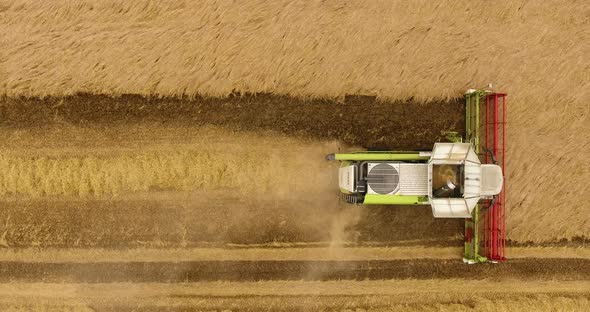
x=169, y=155
x=535, y=51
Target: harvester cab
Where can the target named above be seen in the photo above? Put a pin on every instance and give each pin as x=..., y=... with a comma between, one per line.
x=458, y=179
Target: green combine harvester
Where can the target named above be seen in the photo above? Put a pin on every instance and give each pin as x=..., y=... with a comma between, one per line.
x=456, y=178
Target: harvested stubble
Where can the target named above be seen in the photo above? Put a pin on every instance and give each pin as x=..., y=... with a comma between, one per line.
x=204, y=184
x=95, y=174
x=130, y=172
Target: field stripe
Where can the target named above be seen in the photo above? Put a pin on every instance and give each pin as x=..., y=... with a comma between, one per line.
x=293, y=252
x=391, y=295
x=290, y=288
x=193, y=271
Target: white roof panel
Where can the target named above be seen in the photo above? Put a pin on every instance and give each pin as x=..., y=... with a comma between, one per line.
x=450, y=151
x=450, y=208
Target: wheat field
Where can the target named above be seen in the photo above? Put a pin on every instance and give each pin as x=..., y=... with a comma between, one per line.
x=535, y=51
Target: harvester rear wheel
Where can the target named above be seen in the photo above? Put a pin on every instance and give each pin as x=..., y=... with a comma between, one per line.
x=352, y=198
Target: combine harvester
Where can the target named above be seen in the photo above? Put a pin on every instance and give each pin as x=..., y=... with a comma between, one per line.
x=459, y=179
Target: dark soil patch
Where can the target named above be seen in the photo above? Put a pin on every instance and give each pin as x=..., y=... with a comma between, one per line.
x=358, y=120
x=169, y=272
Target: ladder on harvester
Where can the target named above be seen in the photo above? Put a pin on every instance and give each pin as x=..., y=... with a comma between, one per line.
x=492, y=149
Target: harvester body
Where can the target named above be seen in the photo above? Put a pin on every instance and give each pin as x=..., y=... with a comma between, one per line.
x=450, y=178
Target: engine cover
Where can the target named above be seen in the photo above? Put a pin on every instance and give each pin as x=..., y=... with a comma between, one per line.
x=383, y=178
